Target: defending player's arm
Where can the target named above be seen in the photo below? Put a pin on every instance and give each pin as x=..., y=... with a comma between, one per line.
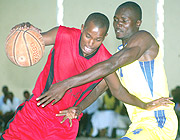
x=74, y=112
x=118, y=91
x=135, y=48
x=122, y=94
x=96, y=92
x=133, y=51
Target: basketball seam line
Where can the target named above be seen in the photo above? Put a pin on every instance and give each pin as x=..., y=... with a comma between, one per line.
x=27, y=48
x=27, y=31
x=15, y=47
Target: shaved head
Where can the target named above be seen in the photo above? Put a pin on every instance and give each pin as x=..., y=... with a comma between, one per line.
x=134, y=7
x=99, y=20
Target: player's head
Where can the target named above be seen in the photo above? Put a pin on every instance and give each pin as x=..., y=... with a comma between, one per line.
x=127, y=20
x=93, y=32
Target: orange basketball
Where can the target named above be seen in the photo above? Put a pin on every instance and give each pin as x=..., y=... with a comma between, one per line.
x=24, y=47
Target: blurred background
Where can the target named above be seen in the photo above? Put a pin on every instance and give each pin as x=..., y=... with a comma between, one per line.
x=160, y=17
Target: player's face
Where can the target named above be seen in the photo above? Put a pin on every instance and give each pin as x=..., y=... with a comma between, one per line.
x=91, y=38
x=125, y=24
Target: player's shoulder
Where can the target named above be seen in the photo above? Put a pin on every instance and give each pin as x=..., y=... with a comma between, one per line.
x=68, y=29
x=68, y=32
x=143, y=34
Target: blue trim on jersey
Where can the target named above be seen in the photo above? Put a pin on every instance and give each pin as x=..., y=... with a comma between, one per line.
x=120, y=69
x=160, y=117
x=124, y=138
x=148, y=71
x=120, y=47
x=137, y=131
x=120, y=72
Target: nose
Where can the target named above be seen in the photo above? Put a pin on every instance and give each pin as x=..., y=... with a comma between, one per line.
x=119, y=23
x=91, y=42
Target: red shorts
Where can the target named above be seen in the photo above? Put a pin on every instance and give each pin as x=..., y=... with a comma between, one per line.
x=36, y=123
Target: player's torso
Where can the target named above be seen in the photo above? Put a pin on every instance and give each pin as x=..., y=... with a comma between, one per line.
x=146, y=80
x=65, y=61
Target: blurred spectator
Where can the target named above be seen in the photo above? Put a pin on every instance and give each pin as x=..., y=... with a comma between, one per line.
x=6, y=105
x=111, y=117
x=26, y=95
x=123, y=120
x=109, y=101
x=15, y=102
x=85, y=125
x=5, y=90
x=6, y=108
x=106, y=117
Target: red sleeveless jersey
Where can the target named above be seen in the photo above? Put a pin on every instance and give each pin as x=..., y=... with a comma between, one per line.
x=65, y=60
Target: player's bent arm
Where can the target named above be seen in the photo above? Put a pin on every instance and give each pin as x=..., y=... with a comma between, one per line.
x=121, y=93
x=117, y=91
x=74, y=112
x=49, y=37
x=95, y=93
x=127, y=55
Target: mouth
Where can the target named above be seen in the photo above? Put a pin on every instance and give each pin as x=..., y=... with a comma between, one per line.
x=87, y=49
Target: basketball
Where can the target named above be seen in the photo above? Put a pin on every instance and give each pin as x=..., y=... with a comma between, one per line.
x=24, y=47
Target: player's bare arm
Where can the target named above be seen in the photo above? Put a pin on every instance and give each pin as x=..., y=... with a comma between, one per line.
x=135, y=49
x=118, y=91
x=122, y=94
x=74, y=112
x=48, y=37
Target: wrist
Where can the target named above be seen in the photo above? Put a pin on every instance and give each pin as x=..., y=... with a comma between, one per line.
x=78, y=110
x=69, y=83
x=66, y=83
x=146, y=106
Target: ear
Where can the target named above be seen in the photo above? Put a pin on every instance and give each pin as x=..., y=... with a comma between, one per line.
x=138, y=23
x=82, y=27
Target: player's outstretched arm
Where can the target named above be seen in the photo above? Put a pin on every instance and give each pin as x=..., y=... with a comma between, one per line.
x=57, y=91
x=133, y=51
x=135, y=48
x=117, y=91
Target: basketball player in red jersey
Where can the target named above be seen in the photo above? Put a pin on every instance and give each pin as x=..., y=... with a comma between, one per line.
x=74, y=51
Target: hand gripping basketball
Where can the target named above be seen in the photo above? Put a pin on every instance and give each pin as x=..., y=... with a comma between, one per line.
x=24, y=46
